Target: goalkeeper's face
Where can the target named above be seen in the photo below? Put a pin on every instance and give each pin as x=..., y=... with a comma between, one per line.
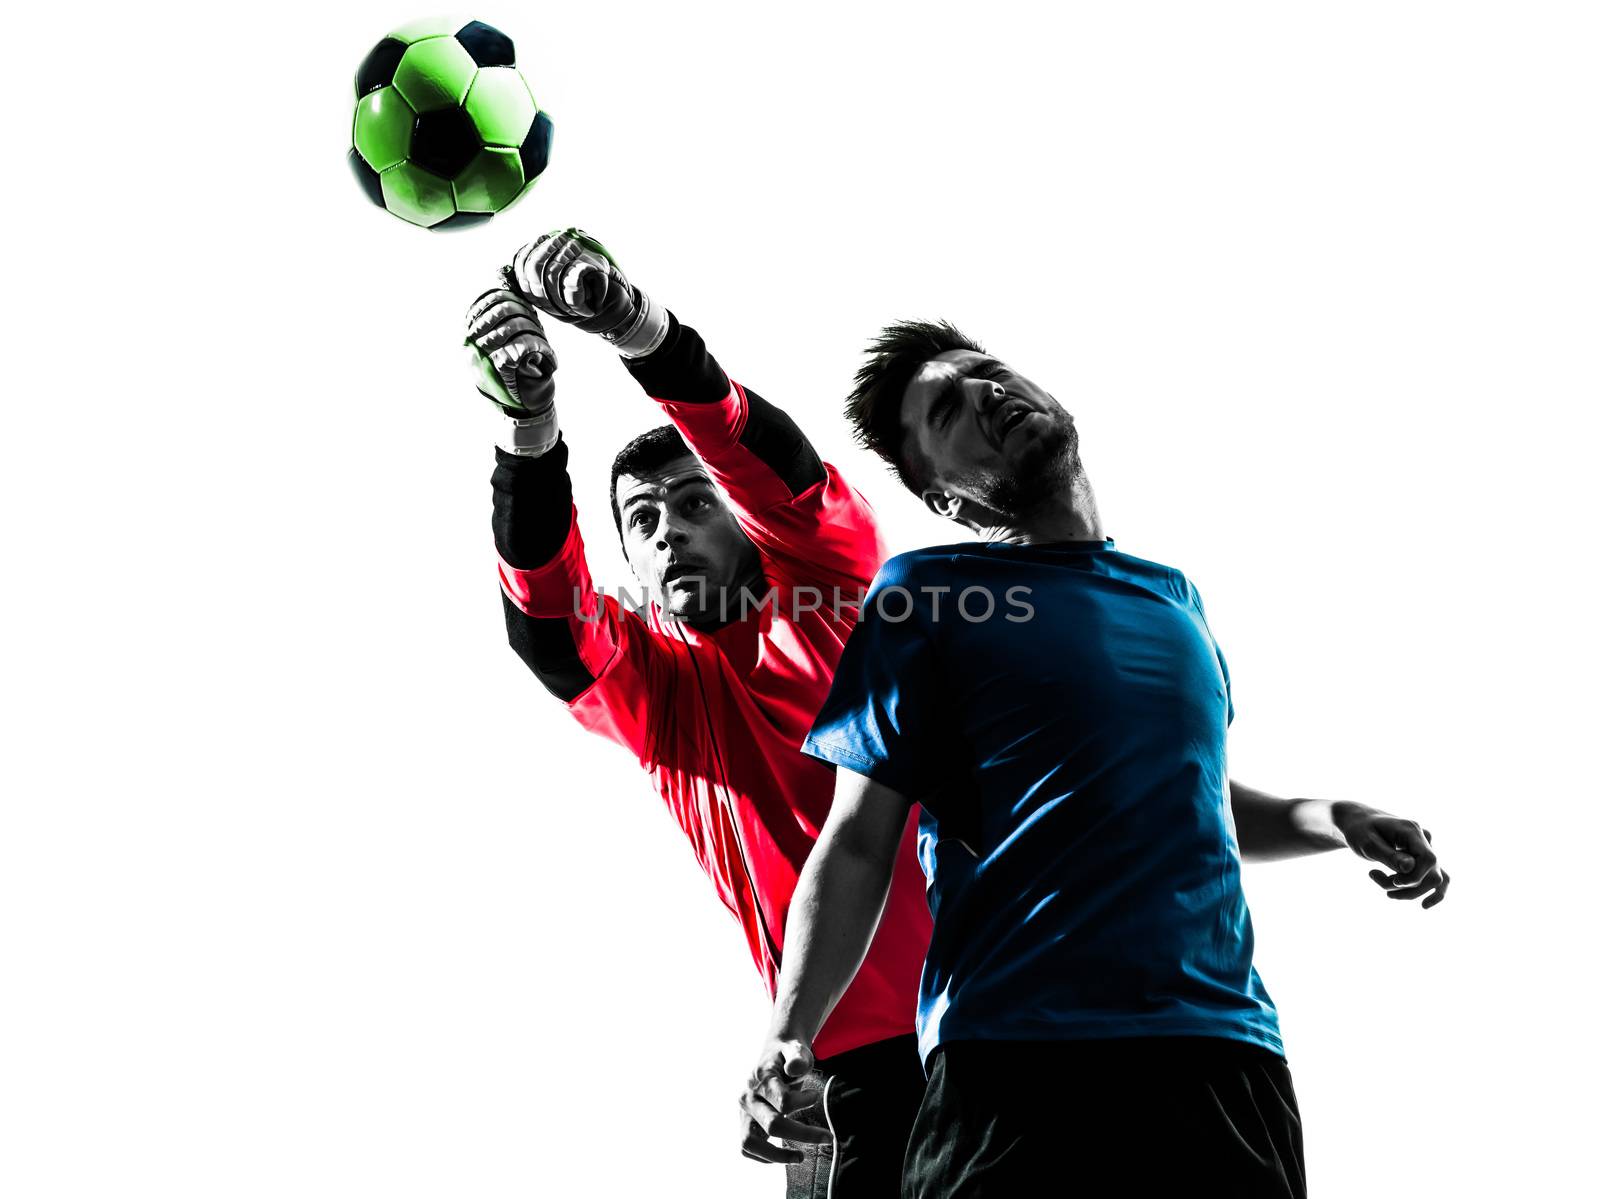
x=684, y=545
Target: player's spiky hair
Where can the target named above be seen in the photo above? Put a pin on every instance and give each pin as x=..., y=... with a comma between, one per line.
x=873, y=408
x=645, y=453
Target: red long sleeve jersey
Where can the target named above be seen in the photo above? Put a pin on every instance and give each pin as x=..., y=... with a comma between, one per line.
x=717, y=718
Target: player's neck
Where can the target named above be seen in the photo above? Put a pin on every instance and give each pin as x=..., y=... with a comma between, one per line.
x=735, y=603
x=1067, y=514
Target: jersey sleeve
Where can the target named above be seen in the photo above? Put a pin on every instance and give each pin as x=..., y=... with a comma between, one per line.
x=598, y=658
x=796, y=508
x=881, y=716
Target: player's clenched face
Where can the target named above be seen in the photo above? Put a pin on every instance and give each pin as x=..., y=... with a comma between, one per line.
x=683, y=543
x=981, y=434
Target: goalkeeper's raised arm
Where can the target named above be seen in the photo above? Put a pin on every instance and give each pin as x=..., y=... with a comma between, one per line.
x=585, y=649
x=791, y=504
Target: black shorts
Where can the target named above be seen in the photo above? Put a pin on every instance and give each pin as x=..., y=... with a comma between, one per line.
x=869, y=1100
x=1154, y=1116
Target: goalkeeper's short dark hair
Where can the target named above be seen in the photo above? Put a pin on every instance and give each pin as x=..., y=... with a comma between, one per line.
x=873, y=407
x=645, y=453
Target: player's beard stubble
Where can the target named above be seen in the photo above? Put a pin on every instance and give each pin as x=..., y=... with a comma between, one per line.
x=1030, y=479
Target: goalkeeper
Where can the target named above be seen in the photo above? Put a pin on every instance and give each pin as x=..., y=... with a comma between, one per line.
x=746, y=541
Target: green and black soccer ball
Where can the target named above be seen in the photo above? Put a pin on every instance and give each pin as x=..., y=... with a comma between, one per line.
x=446, y=131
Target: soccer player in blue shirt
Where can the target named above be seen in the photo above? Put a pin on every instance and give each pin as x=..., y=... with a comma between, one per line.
x=1089, y=1013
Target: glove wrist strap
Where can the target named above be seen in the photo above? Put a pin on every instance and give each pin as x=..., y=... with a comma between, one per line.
x=529, y=436
x=644, y=332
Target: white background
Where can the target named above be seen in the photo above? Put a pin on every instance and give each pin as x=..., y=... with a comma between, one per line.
x=307, y=888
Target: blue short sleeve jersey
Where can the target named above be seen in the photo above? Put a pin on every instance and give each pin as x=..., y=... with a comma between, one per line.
x=1060, y=712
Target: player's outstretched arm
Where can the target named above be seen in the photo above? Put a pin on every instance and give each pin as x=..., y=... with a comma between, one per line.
x=789, y=501
x=834, y=913
x=514, y=367
x=588, y=652
x=1271, y=828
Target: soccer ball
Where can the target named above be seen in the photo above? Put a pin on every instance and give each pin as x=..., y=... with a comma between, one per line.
x=446, y=130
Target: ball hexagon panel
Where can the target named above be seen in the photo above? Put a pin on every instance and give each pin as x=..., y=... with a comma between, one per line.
x=416, y=195
x=415, y=31
x=444, y=141
x=487, y=45
x=490, y=181
x=377, y=68
x=366, y=177
x=435, y=73
x=535, y=150
x=383, y=128
x=500, y=105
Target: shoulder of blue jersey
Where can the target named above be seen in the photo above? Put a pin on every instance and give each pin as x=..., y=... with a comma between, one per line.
x=913, y=566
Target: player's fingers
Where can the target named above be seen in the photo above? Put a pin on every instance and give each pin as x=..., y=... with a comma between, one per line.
x=1401, y=845
x=585, y=283
x=529, y=355
x=510, y=359
x=1416, y=890
x=1438, y=892
x=499, y=327
x=493, y=298
x=586, y=286
x=529, y=268
x=538, y=243
x=592, y=244
x=508, y=312
x=514, y=328
x=535, y=364
x=1423, y=864
x=773, y=1090
x=1375, y=848
x=539, y=273
x=754, y=1145
x=499, y=311
x=572, y=286
x=476, y=308
x=784, y=1096
x=508, y=376
x=775, y=1124
x=526, y=254
x=552, y=269
x=1383, y=880
x=770, y=1154
x=792, y=1130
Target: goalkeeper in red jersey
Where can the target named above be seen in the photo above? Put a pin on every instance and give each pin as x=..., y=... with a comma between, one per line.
x=751, y=549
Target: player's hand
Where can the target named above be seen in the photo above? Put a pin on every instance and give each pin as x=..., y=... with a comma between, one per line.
x=1404, y=847
x=570, y=276
x=771, y=1096
x=512, y=358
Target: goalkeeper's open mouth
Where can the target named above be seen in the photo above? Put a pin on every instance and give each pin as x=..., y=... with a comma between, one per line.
x=687, y=573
